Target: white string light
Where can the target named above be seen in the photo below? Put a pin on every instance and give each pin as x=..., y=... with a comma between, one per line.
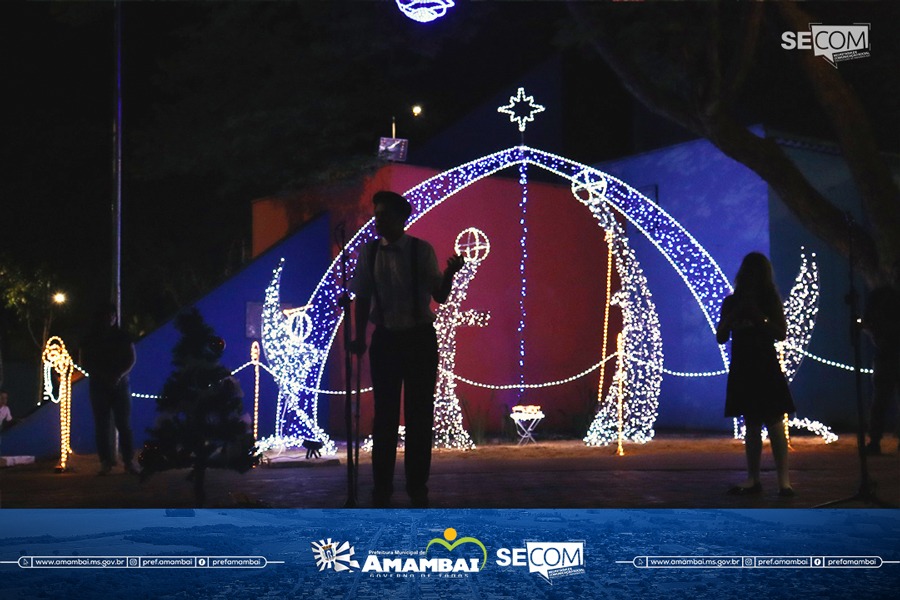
x=523, y=258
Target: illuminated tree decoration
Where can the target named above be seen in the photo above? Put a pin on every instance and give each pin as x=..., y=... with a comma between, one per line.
x=201, y=423
x=56, y=357
x=449, y=432
x=424, y=11
x=292, y=360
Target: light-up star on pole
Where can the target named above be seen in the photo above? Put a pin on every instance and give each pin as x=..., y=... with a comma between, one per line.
x=516, y=110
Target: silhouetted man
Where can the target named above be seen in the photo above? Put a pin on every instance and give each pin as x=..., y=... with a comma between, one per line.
x=395, y=279
x=107, y=354
x=882, y=321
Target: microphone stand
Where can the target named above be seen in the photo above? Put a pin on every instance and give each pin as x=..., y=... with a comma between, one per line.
x=344, y=302
x=866, y=492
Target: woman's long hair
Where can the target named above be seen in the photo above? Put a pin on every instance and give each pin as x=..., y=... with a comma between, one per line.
x=755, y=281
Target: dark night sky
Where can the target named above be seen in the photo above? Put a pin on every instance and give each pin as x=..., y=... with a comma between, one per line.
x=57, y=65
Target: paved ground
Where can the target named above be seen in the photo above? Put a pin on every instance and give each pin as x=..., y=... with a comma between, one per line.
x=674, y=471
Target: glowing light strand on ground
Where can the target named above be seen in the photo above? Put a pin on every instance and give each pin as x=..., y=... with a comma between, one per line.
x=449, y=432
x=56, y=357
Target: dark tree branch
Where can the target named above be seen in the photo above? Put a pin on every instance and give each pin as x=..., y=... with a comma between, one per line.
x=743, y=59
x=878, y=191
x=763, y=156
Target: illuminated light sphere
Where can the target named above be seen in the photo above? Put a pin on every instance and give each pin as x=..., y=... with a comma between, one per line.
x=59, y=298
x=417, y=110
x=472, y=244
x=424, y=11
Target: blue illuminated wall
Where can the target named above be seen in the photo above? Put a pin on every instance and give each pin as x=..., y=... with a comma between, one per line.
x=224, y=309
x=822, y=392
x=725, y=207
x=731, y=211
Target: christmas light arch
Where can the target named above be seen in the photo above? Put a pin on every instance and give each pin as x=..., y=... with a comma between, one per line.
x=599, y=191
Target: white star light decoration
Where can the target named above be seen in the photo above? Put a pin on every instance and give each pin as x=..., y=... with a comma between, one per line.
x=515, y=112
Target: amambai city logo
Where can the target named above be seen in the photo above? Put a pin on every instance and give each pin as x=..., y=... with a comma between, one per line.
x=334, y=555
x=423, y=563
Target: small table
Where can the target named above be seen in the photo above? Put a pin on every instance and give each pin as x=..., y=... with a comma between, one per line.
x=526, y=418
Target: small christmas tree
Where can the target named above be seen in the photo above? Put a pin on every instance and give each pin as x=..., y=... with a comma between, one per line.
x=201, y=424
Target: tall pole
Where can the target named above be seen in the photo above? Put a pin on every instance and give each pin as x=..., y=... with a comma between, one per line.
x=116, y=293
x=116, y=208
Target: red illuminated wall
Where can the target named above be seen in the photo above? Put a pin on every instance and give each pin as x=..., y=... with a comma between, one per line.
x=566, y=280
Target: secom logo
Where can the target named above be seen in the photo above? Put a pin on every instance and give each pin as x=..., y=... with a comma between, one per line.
x=550, y=560
x=834, y=43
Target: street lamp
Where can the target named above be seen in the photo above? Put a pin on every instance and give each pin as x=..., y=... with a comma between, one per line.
x=59, y=298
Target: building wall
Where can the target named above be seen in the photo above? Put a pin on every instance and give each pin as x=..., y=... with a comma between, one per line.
x=824, y=392
x=725, y=207
x=226, y=310
x=566, y=271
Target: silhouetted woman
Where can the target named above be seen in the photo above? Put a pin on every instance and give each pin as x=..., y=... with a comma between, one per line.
x=757, y=389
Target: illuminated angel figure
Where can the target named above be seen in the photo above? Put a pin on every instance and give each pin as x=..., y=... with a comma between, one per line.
x=800, y=310
x=449, y=432
x=629, y=410
x=291, y=359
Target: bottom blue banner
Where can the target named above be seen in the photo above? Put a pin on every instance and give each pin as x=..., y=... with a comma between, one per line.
x=488, y=554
